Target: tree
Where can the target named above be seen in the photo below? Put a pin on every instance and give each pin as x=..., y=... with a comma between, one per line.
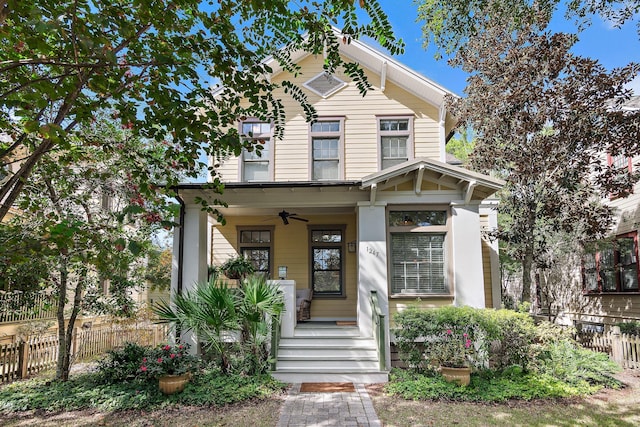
x=158, y=272
x=153, y=62
x=83, y=220
x=460, y=146
x=450, y=24
x=544, y=119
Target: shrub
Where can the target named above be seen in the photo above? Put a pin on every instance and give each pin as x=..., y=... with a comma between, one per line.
x=168, y=360
x=629, y=328
x=486, y=386
x=122, y=364
x=87, y=391
x=574, y=365
x=503, y=336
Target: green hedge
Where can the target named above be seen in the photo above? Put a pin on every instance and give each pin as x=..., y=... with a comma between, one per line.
x=629, y=328
x=502, y=337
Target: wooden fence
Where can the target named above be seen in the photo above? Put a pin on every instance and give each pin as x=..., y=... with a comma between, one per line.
x=26, y=358
x=19, y=306
x=624, y=349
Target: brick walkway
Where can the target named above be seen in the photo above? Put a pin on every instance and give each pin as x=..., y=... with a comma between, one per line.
x=328, y=409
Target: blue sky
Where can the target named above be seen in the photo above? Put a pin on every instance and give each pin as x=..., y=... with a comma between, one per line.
x=612, y=47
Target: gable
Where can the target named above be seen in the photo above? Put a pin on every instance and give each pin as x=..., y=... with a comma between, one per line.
x=423, y=175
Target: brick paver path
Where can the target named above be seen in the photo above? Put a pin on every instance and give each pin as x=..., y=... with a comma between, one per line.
x=328, y=409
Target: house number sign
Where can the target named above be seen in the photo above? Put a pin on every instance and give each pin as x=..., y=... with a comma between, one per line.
x=372, y=251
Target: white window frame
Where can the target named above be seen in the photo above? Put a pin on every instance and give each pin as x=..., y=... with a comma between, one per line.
x=382, y=133
x=329, y=135
x=411, y=227
x=269, y=157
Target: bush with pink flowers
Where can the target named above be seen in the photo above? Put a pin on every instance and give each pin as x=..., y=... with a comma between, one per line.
x=169, y=360
x=453, y=348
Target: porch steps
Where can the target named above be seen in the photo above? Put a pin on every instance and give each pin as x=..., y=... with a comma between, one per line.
x=328, y=354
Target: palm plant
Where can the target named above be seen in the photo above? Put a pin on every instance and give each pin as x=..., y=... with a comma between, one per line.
x=261, y=308
x=210, y=312
x=228, y=321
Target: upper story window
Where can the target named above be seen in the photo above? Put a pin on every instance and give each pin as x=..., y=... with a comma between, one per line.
x=614, y=267
x=623, y=167
x=396, y=145
x=257, y=165
x=326, y=148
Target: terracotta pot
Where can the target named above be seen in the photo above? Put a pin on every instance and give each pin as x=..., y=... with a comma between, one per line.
x=170, y=384
x=462, y=376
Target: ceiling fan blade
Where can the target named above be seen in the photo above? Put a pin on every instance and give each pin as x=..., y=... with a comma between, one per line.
x=299, y=219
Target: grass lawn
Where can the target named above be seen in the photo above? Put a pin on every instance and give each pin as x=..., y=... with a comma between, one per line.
x=606, y=408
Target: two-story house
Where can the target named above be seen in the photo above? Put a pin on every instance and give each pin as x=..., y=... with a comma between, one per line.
x=361, y=200
x=610, y=275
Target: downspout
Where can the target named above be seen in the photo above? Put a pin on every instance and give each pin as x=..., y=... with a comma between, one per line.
x=180, y=243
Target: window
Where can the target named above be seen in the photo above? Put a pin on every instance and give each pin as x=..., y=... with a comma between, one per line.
x=326, y=146
x=256, y=164
x=256, y=244
x=417, y=263
x=418, y=251
x=623, y=167
x=614, y=267
x=327, y=266
x=395, y=141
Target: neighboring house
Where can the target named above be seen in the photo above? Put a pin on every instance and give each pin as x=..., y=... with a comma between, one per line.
x=362, y=200
x=611, y=275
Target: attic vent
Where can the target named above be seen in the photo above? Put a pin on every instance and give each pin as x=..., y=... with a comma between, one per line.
x=324, y=84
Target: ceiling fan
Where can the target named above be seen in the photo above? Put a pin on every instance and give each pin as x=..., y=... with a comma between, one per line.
x=286, y=216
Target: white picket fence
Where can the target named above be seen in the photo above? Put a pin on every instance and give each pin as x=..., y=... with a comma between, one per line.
x=624, y=349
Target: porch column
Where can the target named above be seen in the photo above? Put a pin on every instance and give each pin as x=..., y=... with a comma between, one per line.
x=467, y=256
x=372, y=263
x=194, y=262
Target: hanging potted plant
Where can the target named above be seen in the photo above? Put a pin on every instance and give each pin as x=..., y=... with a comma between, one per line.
x=172, y=365
x=237, y=268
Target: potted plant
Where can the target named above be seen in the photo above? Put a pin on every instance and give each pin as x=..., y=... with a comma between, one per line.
x=453, y=351
x=172, y=365
x=237, y=268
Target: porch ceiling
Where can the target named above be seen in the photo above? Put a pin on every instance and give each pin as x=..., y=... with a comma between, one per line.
x=270, y=198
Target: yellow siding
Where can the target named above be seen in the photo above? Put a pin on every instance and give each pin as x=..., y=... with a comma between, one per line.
x=291, y=248
x=360, y=126
x=486, y=264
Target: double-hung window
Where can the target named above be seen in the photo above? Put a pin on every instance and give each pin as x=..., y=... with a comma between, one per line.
x=256, y=245
x=418, y=252
x=326, y=148
x=614, y=267
x=257, y=160
x=327, y=260
x=396, y=144
x=623, y=168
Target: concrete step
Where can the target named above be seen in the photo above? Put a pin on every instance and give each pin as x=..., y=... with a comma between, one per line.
x=317, y=376
x=328, y=342
x=360, y=353
x=328, y=331
x=306, y=363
